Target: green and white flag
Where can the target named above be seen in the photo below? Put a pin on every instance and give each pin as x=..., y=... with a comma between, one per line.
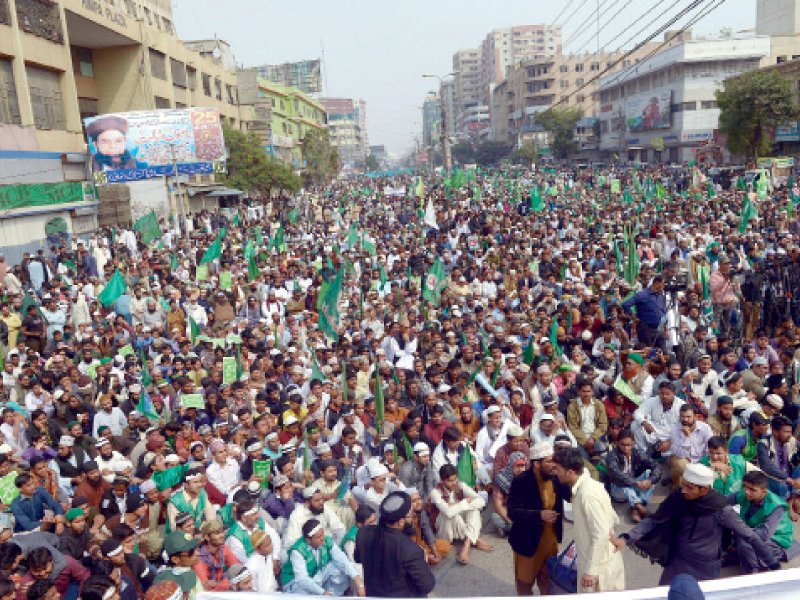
x=328, y=306
x=113, y=290
x=748, y=212
x=435, y=282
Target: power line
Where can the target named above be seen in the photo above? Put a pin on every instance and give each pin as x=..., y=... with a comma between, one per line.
x=591, y=20
x=563, y=10
x=572, y=14
x=605, y=25
x=638, y=46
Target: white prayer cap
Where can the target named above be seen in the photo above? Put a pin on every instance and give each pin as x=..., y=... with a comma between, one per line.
x=699, y=475
x=66, y=440
x=541, y=450
x=378, y=470
x=514, y=430
x=422, y=449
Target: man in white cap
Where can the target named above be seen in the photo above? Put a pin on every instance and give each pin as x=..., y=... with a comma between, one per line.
x=535, y=506
x=418, y=473
x=490, y=439
x=314, y=508
x=685, y=533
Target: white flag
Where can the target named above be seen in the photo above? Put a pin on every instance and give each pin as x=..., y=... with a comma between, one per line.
x=430, y=215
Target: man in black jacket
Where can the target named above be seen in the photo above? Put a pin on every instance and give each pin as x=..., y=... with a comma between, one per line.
x=633, y=475
x=535, y=507
x=394, y=566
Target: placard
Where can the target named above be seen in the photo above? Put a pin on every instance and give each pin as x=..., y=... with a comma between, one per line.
x=228, y=369
x=261, y=469
x=193, y=401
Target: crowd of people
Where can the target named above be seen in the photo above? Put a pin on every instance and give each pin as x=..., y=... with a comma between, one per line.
x=329, y=394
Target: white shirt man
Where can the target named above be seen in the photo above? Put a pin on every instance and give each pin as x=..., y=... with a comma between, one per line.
x=223, y=472
x=656, y=417
x=491, y=437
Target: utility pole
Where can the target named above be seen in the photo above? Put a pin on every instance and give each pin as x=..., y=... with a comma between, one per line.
x=446, y=160
x=181, y=212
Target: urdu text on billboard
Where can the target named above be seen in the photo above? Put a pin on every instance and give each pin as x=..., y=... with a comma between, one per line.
x=140, y=145
x=647, y=112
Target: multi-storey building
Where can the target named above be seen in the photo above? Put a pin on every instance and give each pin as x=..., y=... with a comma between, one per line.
x=305, y=75
x=282, y=115
x=62, y=61
x=664, y=107
x=467, y=84
x=347, y=129
x=534, y=85
x=431, y=120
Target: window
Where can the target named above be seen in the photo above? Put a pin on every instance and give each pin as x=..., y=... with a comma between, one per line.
x=564, y=84
x=191, y=77
x=689, y=106
x=580, y=98
x=579, y=81
x=178, y=70
x=88, y=107
x=158, y=64
x=594, y=66
x=579, y=68
x=9, y=104
x=45, y=87
x=564, y=69
x=708, y=104
x=217, y=88
x=82, y=61
x=162, y=102
x=207, y=85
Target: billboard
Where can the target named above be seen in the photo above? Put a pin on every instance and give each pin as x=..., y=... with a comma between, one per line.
x=649, y=111
x=140, y=145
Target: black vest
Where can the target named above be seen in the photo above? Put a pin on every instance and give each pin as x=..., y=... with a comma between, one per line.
x=66, y=468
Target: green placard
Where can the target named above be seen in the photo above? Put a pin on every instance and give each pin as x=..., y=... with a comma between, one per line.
x=261, y=469
x=225, y=280
x=228, y=369
x=193, y=401
x=233, y=339
x=202, y=272
x=126, y=350
x=9, y=491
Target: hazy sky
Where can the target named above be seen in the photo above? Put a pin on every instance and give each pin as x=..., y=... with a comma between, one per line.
x=378, y=50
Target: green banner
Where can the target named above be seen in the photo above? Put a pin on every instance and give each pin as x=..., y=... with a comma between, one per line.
x=228, y=369
x=40, y=194
x=192, y=401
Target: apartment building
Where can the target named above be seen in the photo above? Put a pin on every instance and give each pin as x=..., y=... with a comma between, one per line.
x=347, y=129
x=63, y=61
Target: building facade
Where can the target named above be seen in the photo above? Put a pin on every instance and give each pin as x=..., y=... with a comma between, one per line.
x=535, y=85
x=305, y=75
x=347, y=130
x=281, y=116
x=467, y=86
x=431, y=120
x=664, y=108
x=63, y=61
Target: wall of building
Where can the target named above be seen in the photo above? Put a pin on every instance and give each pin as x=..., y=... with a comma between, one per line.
x=777, y=17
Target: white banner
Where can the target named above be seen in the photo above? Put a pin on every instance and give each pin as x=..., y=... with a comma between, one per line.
x=775, y=585
x=390, y=191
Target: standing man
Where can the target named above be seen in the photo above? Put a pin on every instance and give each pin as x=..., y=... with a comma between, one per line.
x=394, y=566
x=651, y=309
x=600, y=567
x=685, y=533
x=535, y=506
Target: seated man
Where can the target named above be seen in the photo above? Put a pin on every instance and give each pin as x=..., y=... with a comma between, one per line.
x=457, y=510
x=435, y=549
x=778, y=457
x=337, y=494
x=587, y=419
x=247, y=522
x=688, y=442
x=729, y=469
x=317, y=566
x=768, y=514
x=632, y=474
x=214, y=557
x=745, y=441
x=35, y=508
x=722, y=422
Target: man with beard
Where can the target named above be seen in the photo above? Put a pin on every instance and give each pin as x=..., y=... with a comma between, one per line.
x=192, y=499
x=418, y=473
x=685, y=533
x=68, y=464
x=535, y=507
x=214, y=557
x=423, y=535
x=92, y=486
x=76, y=537
x=394, y=566
x=316, y=508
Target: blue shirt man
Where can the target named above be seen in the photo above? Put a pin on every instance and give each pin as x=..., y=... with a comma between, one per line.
x=29, y=507
x=650, y=303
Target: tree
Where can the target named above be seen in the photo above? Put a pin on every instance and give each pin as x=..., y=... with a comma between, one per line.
x=751, y=107
x=560, y=124
x=490, y=153
x=251, y=169
x=463, y=153
x=322, y=159
x=373, y=164
x=527, y=153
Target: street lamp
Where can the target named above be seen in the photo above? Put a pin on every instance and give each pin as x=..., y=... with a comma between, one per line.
x=446, y=162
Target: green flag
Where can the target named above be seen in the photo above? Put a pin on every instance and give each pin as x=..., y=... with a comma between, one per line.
x=236, y=220
x=435, y=282
x=711, y=191
x=294, y=214
x=554, y=337
x=631, y=271
x=146, y=378
x=252, y=269
x=147, y=227
x=368, y=246
x=145, y=406
x=748, y=212
x=27, y=302
x=761, y=186
x=661, y=191
x=259, y=237
x=384, y=279
x=352, y=237
x=419, y=189
x=174, y=263
x=194, y=330
x=628, y=197
x=277, y=240
x=537, y=204
x=528, y=356
x=249, y=250
x=378, y=398
x=316, y=372
x=328, y=306
x=466, y=469
x=214, y=252
x=113, y=290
